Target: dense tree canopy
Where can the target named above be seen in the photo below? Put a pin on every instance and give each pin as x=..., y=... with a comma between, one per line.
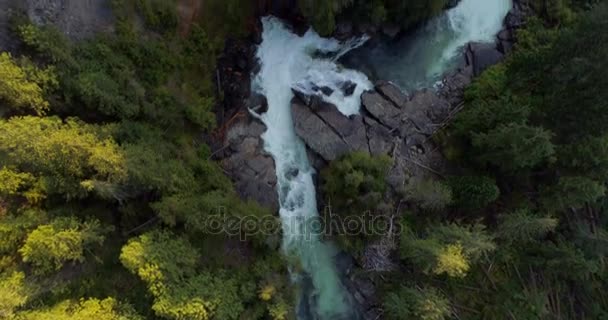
x=107, y=185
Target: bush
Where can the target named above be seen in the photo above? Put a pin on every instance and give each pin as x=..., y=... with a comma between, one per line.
x=356, y=180
x=429, y=194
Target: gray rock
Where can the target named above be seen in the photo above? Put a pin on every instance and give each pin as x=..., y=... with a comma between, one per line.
x=352, y=129
x=378, y=136
x=316, y=133
x=77, y=19
x=428, y=103
x=505, y=47
x=515, y=18
x=453, y=85
x=505, y=35
x=249, y=166
x=348, y=88
x=307, y=99
x=392, y=93
x=483, y=56
x=381, y=109
x=257, y=103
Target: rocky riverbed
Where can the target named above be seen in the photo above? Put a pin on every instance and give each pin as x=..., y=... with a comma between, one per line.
x=390, y=122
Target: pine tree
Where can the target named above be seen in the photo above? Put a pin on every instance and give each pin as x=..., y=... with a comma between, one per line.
x=514, y=146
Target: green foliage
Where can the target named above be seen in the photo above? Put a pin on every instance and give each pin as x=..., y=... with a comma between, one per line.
x=514, y=146
x=410, y=13
x=159, y=256
x=322, y=14
x=473, y=192
x=588, y=156
x=168, y=265
x=420, y=303
x=14, y=229
x=50, y=246
x=106, y=309
x=356, y=181
x=65, y=154
x=407, y=14
x=446, y=249
x=429, y=194
x=573, y=192
x=522, y=226
x=20, y=87
x=159, y=14
x=14, y=293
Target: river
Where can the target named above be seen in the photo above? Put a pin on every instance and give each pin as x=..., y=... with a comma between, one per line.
x=423, y=57
x=309, y=63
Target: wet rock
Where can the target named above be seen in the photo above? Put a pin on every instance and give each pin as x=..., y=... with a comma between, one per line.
x=483, y=55
x=249, y=166
x=326, y=90
x=257, y=103
x=390, y=91
x=292, y=173
x=316, y=133
x=515, y=18
x=505, y=35
x=344, y=30
x=348, y=88
x=307, y=99
x=381, y=109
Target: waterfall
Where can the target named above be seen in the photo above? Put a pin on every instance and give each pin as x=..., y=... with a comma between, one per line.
x=421, y=59
x=307, y=63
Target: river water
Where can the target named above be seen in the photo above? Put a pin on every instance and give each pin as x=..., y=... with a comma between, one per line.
x=309, y=63
x=422, y=58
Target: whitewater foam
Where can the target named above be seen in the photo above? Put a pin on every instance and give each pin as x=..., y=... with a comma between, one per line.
x=307, y=63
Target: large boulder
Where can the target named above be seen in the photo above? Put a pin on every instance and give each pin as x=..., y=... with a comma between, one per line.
x=390, y=91
x=427, y=106
x=316, y=133
x=250, y=167
x=379, y=137
x=381, y=109
x=482, y=56
x=350, y=129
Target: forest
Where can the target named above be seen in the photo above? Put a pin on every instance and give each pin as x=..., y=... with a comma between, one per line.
x=106, y=176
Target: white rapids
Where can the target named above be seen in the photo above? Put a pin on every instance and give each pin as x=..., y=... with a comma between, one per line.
x=307, y=63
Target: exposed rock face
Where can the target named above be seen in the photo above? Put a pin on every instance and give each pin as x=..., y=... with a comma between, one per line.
x=251, y=168
x=381, y=128
x=381, y=109
x=317, y=134
x=7, y=7
x=77, y=19
x=392, y=93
